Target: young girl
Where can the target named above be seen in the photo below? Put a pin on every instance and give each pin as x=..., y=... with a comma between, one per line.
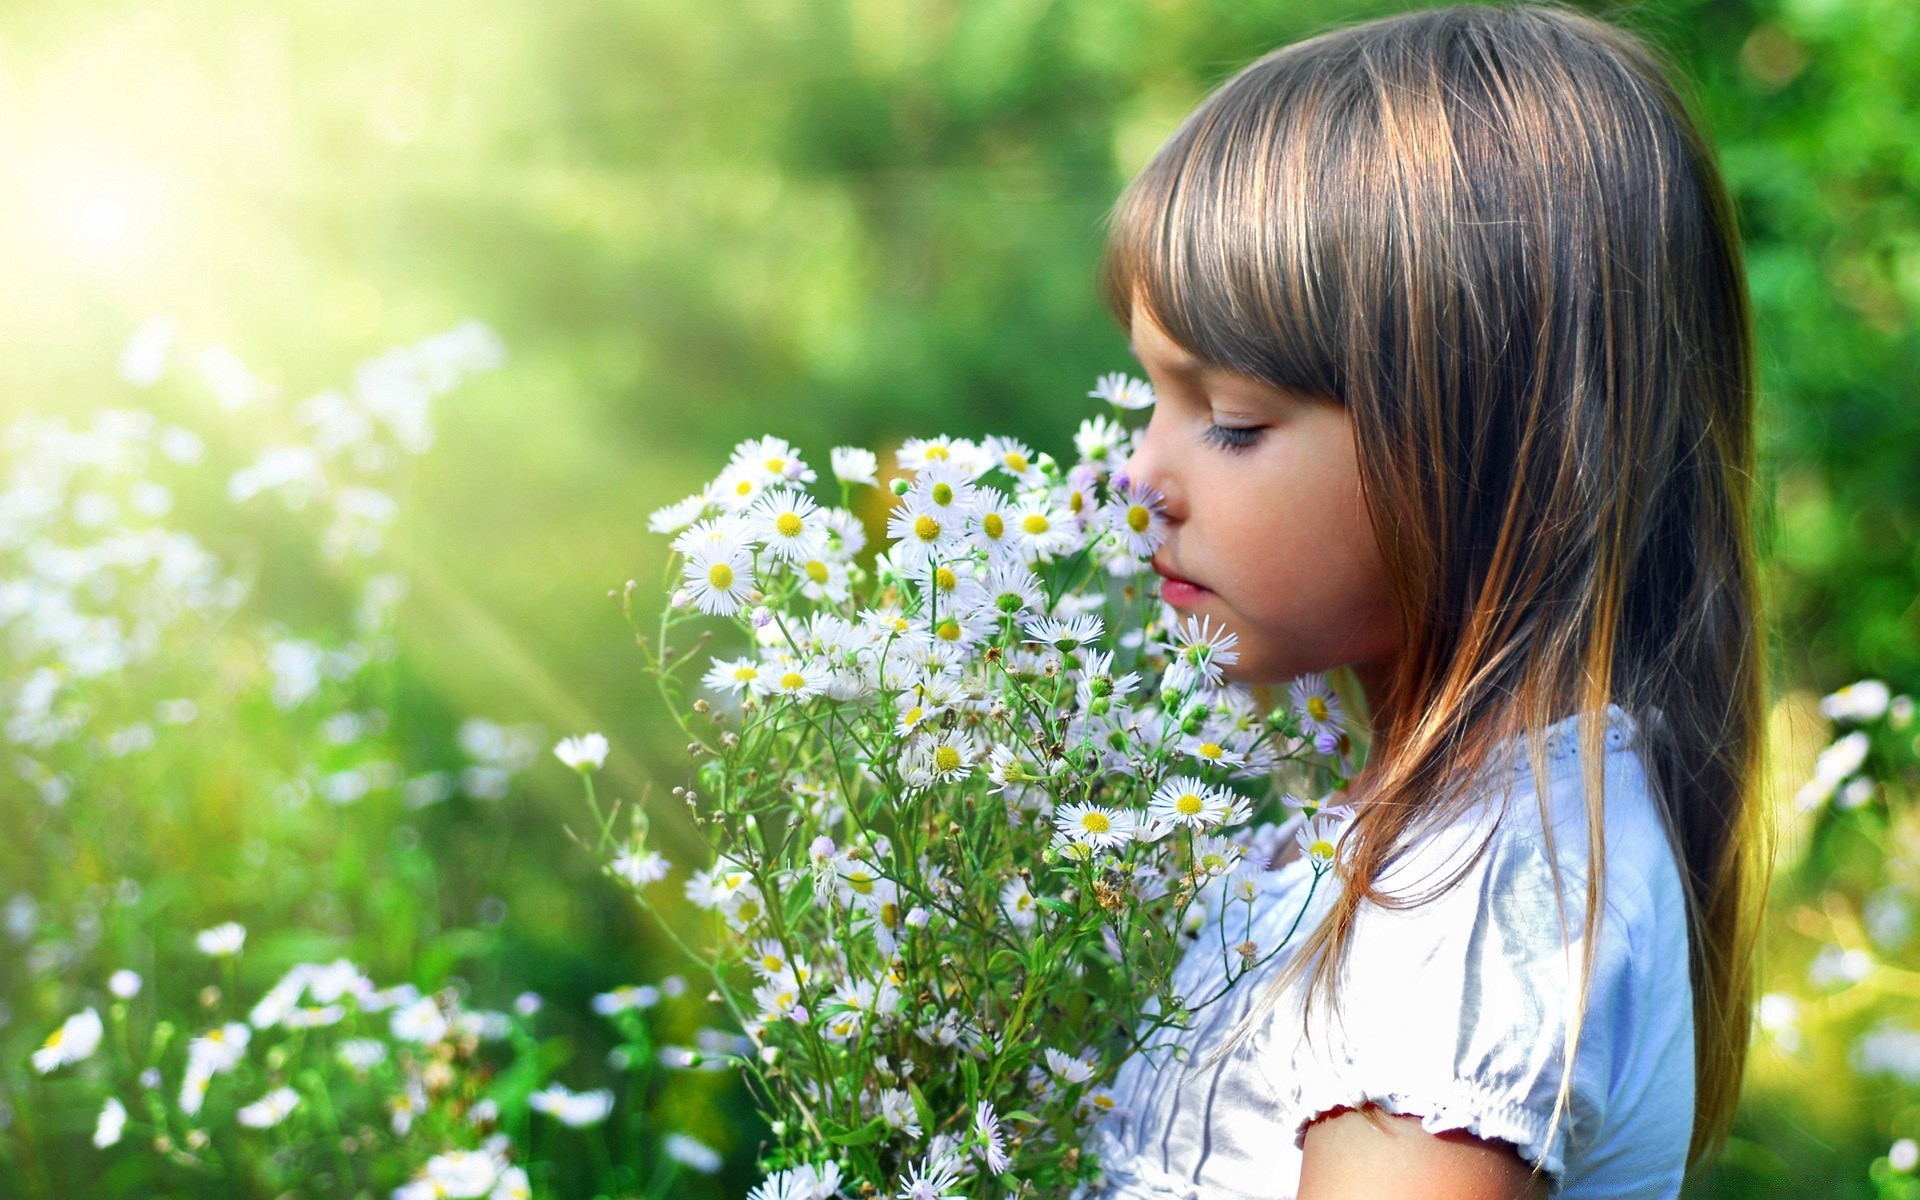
x=1447, y=321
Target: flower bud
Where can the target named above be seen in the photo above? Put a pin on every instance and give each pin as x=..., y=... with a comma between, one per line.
x=899, y=487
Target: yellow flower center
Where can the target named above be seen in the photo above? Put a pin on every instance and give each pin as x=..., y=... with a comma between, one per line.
x=746, y=674
x=994, y=525
x=1016, y=462
x=860, y=882
x=1189, y=804
x=749, y=911
x=938, y=454
x=789, y=524
x=943, y=492
x=1095, y=822
x=1076, y=500
x=773, y=962
x=946, y=758
x=56, y=1037
x=793, y=680
x=948, y=630
x=720, y=575
x=913, y=715
x=890, y=915
x=926, y=529
x=1210, y=750
x=776, y=466
x=1213, y=863
x=945, y=579
x=1317, y=707
x=1321, y=848
x=1035, y=524
x=1138, y=518
x=743, y=488
x=816, y=570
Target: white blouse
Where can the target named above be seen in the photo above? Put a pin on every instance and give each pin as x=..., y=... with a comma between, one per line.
x=1454, y=1011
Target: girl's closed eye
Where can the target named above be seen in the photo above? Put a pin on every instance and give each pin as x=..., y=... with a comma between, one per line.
x=1233, y=438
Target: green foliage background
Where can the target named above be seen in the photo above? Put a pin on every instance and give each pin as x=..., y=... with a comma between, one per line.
x=837, y=221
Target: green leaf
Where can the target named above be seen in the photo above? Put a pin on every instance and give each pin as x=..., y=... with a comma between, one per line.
x=920, y=1106
x=866, y=1135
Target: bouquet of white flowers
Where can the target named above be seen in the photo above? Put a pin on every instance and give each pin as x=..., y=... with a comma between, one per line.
x=970, y=798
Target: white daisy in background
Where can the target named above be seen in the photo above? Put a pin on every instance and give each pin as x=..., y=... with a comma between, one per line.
x=962, y=628
x=1067, y=1068
x=720, y=580
x=931, y=1179
x=1102, y=442
x=897, y=1110
x=823, y=579
x=1319, y=710
x=855, y=465
x=726, y=531
x=1215, y=856
x=735, y=675
x=1319, y=838
x=1043, y=528
x=1065, y=636
x=942, y=758
x=124, y=984
x=736, y=487
x=918, y=706
x=1203, y=749
x=846, y=535
x=575, y=1110
x=1184, y=800
x=990, y=525
x=1015, y=458
x=269, y=1110
x=1097, y=681
x=111, y=1122
x=588, y=752
x=1095, y=825
x=916, y=453
x=221, y=941
x=1008, y=589
x=692, y=1154
x=1137, y=517
x=922, y=537
x=640, y=867
x=795, y=679
x=672, y=518
x=775, y=459
x=944, y=487
x=454, y=1175
x=1197, y=651
x=788, y=522
x=1124, y=391
x=76, y=1039
x=993, y=1144
x=1077, y=496
x=1016, y=900
x=783, y=1185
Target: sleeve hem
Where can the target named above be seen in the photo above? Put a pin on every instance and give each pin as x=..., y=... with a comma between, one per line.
x=1456, y=1107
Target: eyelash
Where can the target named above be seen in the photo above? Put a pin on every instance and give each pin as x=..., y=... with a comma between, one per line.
x=1233, y=438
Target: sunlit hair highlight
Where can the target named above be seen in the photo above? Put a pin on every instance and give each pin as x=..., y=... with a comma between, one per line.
x=1496, y=235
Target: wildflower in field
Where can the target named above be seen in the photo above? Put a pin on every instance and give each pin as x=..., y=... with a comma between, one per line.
x=1197, y=651
x=993, y=1144
x=720, y=581
x=76, y=1039
x=639, y=866
x=789, y=524
x=672, y=518
x=1319, y=838
x=454, y=1175
x=795, y=679
x=123, y=984
x=923, y=536
x=854, y=465
x=1065, y=636
x=1123, y=391
x=1318, y=709
x=221, y=941
x=774, y=459
x=1067, y=1068
x=111, y=1122
x=588, y=752
x=1136, y=516
x=361, y=1055
x=1203, y=749
x=941, y=758
x=735, y=675
x=576, y=1110
x=691, y=1153
x=1043, y=529
x=1015, y=458
x=944, y=488
x=728, y=531
x=1016, y=900
x=930, y=1179
x=222, y=1047
x=1187, y=801
x=1215, y=856
x=1101, y=441
x=421, y=1022
x=626, y=998
x=269, y=1110
x=1095, y=826
x=916, y=454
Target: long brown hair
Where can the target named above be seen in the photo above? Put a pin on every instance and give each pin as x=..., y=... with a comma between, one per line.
x=1499, y=238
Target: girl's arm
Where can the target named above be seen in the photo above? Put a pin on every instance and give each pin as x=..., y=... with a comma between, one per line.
x=1365, y=1154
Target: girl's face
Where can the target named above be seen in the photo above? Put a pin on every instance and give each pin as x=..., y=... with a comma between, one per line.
x=1265, y=514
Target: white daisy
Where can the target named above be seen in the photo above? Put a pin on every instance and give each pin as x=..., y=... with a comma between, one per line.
x=672, y=518
x=846, y=535
x=1097, y=681
x=1215, y=856
x=732, y=675
x=720, y=581
x=269, y=1110
x=789, y=523
x=1095, y=825
x=1202, y=748
x=588, y=752
x=76, y=1039
x=944, y=487
x=942, y=758
x=108, y=1126
x=1068, y=1069
x=1136, y=515
x=823, y=580
x=993, y=1148
x=1101, y=441
x=1065, y=636
x=1017, y=902
x=1013, y=457
x=795, y=679
x=774, y=458
x=1043, y=528
x=1319, y=710
x=929, y=1180
x=1124, y=391
x=724, y=532
x=922, y=536
x=990, y=525
x=855, y=465
x=1198, y=651
x=1008, y=589
x=1319, y=837
x=915, y=453
x=222, y=941
x=736, y=487
x=1184, y=800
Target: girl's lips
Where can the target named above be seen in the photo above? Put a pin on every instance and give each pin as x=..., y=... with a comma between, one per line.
x=1182, y=593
